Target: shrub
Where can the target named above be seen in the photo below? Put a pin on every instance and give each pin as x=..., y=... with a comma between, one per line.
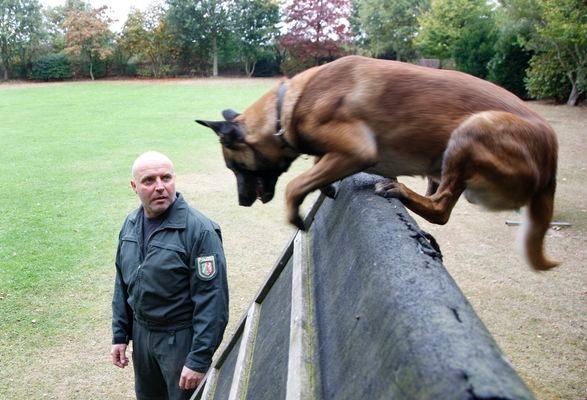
x=52, y=66
x=508, y=67
x=546, y=80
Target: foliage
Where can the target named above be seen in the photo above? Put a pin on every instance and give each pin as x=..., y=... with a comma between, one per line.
x=317, y=30
x=56, y=16
x=20, y=25
x=87, y=35
x=545, y=80
x=560, y=44
x=145, y=35
x=52, y=66
x=463, y=30
x=490, y=39
x=254, y=24
x=391, y=25
x=198, y=27
x=508, y=65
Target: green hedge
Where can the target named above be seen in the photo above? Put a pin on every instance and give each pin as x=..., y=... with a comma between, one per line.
x=52, y=66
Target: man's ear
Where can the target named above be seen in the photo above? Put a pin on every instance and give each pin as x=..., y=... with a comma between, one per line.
x=229, y=133
x=133, y=185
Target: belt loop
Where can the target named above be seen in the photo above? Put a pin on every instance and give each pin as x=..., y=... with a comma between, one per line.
x=171, y=340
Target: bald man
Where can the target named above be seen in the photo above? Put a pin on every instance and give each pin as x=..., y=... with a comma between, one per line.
x=171, y=293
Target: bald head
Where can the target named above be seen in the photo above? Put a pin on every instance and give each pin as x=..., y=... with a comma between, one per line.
x=150, y=159
x=153, y=180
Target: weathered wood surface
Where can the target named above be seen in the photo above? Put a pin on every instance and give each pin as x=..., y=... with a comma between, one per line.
x=391, y=322
x=361, y=307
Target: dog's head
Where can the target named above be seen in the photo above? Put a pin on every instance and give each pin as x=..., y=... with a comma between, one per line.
x=256, y=170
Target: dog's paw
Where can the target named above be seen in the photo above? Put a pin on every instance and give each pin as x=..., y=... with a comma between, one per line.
x=293, y=217
x=329, y=191
x=298, y=222
x=389, y=188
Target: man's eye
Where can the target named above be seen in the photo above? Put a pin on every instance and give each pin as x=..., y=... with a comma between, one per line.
x=148, y=181
x=166, y=178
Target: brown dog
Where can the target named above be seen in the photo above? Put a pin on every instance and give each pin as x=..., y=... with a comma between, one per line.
x=392, y=118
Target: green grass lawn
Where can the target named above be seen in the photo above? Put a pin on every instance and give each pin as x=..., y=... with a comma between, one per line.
x=65, y=164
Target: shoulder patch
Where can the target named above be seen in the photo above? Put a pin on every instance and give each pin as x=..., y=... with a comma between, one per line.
x=206, y=267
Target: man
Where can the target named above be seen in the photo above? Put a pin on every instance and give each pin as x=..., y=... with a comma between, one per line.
x=171, y=293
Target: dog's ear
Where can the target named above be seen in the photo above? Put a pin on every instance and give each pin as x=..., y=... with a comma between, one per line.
x=229, y=114
x=229, y=133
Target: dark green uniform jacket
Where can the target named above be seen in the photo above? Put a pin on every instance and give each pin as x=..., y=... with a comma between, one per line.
x=181, y=281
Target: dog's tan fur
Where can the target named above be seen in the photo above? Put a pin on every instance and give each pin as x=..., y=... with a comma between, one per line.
x=391, y=118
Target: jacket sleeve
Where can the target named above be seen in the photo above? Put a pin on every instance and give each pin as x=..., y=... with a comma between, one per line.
x=209, y=292
x=122, y=316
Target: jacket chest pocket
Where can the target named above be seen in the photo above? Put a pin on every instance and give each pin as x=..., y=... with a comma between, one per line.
x=168, y=258
x=130, y=258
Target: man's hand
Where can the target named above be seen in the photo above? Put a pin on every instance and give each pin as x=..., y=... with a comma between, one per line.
x=118, y=353
x=190, y=379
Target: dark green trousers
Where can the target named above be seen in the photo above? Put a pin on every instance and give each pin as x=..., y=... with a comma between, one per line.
x=158, y=358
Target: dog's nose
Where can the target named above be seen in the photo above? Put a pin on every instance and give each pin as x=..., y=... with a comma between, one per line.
x=246, y=201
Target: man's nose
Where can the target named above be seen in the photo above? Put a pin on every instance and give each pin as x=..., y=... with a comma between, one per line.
x=159, y=185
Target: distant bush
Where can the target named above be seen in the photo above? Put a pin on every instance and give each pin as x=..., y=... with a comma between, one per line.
x=508, y=67
x=546, y=80
x=51, y=67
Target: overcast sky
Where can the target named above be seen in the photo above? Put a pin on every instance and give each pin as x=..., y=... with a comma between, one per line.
x=118, y=9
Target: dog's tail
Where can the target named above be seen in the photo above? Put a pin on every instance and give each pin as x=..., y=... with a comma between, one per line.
x=537, y=221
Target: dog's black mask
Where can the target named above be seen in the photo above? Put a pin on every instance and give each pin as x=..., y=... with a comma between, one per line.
x=254, y=185
x=256, y=181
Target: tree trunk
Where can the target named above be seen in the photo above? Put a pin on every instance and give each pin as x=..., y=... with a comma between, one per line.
x=252, y=68
x=574, y=96
x=214, y=57
x=91, y=70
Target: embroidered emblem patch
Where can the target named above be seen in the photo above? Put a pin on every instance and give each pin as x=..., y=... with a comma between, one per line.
x=206, y=267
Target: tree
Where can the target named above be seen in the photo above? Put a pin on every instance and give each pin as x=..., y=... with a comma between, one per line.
x=146, y=35
x=317, y=30
x=198, y=27
x=391, y=25
x=508, y=66
x=515, y=21
x=20, y=26
x=255, y=27
x=463, y=30
x=87, y=35
x=560, y=45
x=56, y=16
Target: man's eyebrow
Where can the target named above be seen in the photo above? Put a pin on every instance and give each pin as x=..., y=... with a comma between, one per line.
x=147, y=177
x=152, y=176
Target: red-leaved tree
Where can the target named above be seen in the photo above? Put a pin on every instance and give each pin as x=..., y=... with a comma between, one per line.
x=87, y=35
x=316, y=30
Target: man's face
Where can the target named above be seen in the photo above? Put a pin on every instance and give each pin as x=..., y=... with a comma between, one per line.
x=154, y=183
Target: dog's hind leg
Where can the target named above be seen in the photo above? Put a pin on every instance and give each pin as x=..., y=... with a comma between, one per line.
x=538, y=217
x=460, y=167
x=435, y=208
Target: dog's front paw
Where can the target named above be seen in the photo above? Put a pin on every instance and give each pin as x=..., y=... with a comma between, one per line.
x=298, y=222
x=293, y=217
x=389, y=188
